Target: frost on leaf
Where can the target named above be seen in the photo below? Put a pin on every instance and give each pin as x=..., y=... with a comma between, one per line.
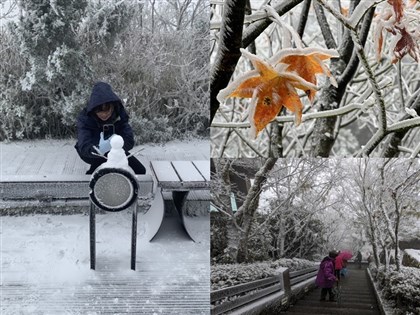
x=307, y=63
x=406, y=44
x=395, y=18
x=398, y=7
x=270, y=88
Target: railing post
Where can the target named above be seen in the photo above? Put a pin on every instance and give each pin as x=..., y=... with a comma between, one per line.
x=134, y=237
x=92, y=236
x=285, y=282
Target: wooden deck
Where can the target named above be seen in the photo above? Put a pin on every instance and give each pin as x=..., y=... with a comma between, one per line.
x=58, y=157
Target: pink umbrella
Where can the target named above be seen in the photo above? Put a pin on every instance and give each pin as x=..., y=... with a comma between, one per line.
x=346, y=254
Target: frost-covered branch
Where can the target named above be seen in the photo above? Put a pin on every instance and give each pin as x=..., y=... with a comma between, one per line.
x=305, y=117
x=228, y=53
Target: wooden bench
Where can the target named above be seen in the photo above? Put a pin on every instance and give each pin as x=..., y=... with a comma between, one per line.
x=180, y=178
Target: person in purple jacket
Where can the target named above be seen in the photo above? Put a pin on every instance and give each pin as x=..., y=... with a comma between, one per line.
x=103, y=117
x=325, y=278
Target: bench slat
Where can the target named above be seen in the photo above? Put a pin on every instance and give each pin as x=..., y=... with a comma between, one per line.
x=204, y=168
x=187, y=171
x=44, y=178
x=164, y=171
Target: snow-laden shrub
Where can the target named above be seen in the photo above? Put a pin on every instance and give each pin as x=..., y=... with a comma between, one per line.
x=401, y=288
x=227, y=275
x=156, y=130
x=55, y=52
x=223, y=276
x=293, y=263
x=411, y=258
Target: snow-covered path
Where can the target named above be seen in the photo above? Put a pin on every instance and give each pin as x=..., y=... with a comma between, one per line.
x=45, y=268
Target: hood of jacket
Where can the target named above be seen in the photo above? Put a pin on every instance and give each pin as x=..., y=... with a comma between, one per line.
x=326, y=260
x=101, y=93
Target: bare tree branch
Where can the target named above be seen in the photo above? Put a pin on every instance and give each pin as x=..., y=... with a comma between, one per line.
x=228, y=53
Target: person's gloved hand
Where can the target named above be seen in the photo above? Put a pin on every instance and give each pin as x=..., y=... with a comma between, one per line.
x=104, y=145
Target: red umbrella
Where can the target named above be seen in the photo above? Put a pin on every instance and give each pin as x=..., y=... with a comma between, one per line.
x=346, y=254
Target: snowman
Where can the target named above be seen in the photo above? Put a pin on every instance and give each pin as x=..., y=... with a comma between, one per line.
x=116, y=156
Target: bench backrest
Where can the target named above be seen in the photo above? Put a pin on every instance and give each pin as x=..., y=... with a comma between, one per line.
x=54, y=187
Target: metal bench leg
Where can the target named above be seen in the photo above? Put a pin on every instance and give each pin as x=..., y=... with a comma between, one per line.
x=92, y=236
x=134, y=237
x=179, y=198
x=151, y=220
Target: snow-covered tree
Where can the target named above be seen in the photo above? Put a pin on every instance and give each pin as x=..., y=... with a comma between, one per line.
x=59, y=49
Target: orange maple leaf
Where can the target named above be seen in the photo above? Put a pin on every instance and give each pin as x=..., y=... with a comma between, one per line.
x=270, y=88
x=406, y=44
x=398, y=6
x=307, y=63
x=345, y=11
x=383, y=24
x=392, y=19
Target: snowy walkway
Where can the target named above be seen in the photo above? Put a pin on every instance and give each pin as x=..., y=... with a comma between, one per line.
x=357, y=297
x=45, y=268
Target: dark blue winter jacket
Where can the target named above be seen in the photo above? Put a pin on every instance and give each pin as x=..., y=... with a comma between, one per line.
x=89, y=126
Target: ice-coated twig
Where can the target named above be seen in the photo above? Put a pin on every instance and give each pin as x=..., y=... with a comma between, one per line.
x=135, y=153
x=328, y=113
x=380, y=134
x=242, y=137
x=337, y=14
x=98, y=153
x=276, y=18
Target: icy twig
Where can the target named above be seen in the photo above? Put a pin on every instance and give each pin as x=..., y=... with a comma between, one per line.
x=98, y=153
x=337, y=14
x=328, y=113
x=135, y=153
x=242, y=137
x=275, y=17
x=380, y=135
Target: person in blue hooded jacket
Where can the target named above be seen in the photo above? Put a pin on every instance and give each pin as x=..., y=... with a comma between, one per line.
x=104, y=112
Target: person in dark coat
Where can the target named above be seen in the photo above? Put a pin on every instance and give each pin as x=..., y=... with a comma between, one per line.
x=103, y=116
x=326, y=278
x=359, y=259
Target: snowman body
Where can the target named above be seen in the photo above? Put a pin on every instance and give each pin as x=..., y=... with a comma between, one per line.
x=116, y=156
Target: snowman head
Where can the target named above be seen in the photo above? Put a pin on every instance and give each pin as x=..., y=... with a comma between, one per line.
x=117, y=142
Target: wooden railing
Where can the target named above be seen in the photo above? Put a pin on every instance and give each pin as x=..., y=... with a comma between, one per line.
x=252, y=297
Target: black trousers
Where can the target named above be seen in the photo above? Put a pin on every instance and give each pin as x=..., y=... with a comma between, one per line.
x=135, y=164
x=338, y=273
x=324, y=292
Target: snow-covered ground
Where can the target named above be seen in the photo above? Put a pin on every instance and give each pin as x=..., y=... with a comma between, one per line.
x=45, y=268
